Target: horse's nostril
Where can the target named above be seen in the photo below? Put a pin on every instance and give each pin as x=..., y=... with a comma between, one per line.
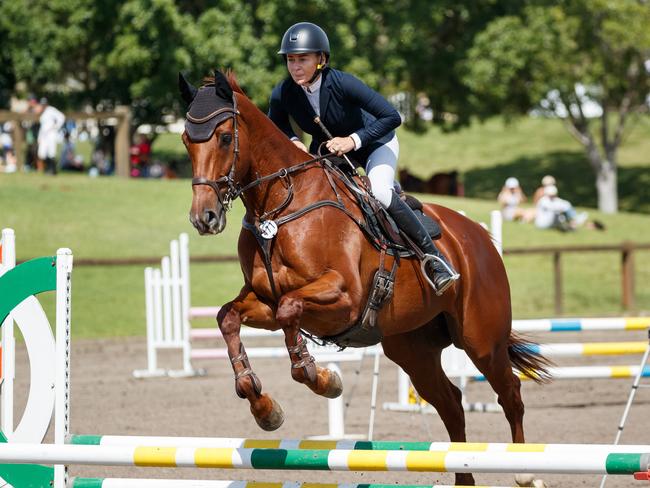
x=210, y=217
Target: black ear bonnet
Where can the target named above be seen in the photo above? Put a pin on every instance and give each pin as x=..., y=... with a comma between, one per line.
x=205, y=113
x=210, y=105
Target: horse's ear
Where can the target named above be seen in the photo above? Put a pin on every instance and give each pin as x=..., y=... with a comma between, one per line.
x=188, y=92
x=221, y=86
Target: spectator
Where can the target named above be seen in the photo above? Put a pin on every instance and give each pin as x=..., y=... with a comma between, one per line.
x=141, y=157
x=510, y=198
x=77, y=164
x=70, y=161
x=556, y=213
x=7, y=154
x=548, y=180
x=31, y=151
x=102, y=159
x=51, y=120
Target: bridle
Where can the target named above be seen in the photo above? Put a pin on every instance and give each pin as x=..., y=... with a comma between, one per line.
x=232, y=190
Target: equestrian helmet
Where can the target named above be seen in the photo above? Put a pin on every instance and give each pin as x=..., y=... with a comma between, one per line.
x=304, y=37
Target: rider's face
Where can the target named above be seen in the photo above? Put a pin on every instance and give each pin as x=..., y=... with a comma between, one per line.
x=302, y=66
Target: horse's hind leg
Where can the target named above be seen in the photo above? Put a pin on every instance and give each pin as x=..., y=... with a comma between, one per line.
x=418, y=353
x=496, y=367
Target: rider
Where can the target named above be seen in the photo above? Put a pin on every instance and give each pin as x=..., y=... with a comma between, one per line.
x=361, y=121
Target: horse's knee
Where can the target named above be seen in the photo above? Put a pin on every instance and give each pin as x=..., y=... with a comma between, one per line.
x=289, y=311
x=223, y=311
x=228, y=319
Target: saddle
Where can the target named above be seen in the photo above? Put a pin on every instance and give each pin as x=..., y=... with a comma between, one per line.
x=381, y=229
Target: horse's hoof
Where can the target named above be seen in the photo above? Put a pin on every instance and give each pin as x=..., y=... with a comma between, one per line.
x=273, y=420
x=528, y=479
x=334, y=385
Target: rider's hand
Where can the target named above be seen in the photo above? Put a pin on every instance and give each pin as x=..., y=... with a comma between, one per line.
x=340, y=145
x=300, y=145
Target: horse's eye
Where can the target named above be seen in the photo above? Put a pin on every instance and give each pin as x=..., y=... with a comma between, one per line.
x=226, y=138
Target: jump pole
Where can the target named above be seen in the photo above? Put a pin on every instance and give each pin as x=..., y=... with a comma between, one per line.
x=591, y=462
x=581, y=324
x=157, y=483
x=344, y=444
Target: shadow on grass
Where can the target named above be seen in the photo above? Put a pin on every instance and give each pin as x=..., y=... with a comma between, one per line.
x=575, y=180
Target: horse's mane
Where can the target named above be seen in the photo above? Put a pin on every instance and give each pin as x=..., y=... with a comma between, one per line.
x=232, y=80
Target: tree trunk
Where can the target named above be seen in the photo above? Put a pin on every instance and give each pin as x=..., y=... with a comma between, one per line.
x=606, y=178
x=607, y=186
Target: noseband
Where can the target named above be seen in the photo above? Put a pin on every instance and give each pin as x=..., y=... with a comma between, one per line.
x=232, y=190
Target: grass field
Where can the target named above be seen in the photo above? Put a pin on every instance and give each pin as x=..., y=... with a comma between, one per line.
x=106, y=217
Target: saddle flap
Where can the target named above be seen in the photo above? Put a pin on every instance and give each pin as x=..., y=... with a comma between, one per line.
x=389, y=228
x=380, y=227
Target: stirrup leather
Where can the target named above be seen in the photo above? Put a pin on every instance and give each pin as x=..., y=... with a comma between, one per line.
x=452, y=273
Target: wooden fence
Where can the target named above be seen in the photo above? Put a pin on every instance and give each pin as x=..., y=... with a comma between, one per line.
x=626, y=250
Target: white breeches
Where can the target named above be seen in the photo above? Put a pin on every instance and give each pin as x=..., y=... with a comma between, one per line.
x=47, y=146
x=380, y=168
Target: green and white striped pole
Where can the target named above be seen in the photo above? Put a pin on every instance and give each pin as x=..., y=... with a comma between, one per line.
x=240, y=442
x=589, y=462
x=157, y=483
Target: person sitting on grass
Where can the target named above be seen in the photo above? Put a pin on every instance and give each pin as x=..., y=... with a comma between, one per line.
x=553, y=212
x=510, y=198
x=548, y=180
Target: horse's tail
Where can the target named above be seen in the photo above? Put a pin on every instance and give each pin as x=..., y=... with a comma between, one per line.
x=525, y=356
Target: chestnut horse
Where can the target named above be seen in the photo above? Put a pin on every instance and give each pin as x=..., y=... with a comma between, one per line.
x=321, y=268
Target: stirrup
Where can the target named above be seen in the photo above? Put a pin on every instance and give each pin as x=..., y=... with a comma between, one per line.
x=452, y=273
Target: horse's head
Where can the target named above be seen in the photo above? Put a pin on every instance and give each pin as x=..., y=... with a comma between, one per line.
x=212, y=140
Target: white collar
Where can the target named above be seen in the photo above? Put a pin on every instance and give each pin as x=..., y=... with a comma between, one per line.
x=315, y=86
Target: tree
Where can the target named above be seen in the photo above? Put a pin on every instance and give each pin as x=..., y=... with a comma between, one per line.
x=560, y=58
x=149, y=45
x=43, y=44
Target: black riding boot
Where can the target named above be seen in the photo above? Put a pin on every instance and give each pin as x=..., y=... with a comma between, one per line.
x=443, y=274
x=50, y=166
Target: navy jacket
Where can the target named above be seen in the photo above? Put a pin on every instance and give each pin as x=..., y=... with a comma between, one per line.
x=347, y=105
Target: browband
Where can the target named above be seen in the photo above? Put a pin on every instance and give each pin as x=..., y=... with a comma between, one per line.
x=210, y=116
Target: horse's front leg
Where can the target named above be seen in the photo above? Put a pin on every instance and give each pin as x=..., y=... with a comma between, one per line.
x=267, y=412
x=321, y=381
x=324, y=296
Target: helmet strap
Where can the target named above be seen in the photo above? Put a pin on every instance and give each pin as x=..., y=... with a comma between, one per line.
x=319, y=68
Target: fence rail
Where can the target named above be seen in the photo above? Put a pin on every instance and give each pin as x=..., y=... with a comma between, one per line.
x=626, y=249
